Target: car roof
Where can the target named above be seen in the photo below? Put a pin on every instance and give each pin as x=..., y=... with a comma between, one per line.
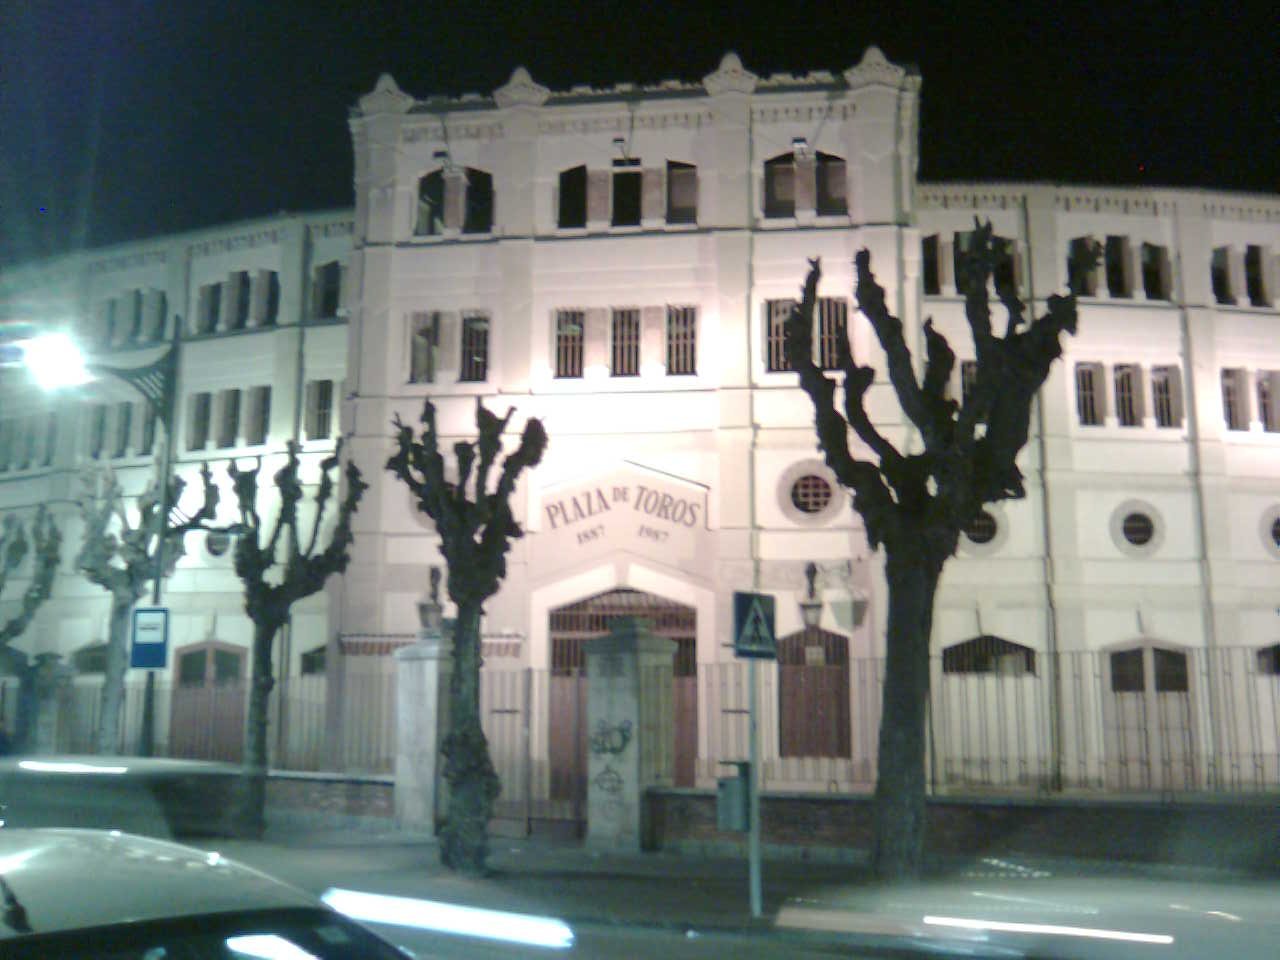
x=69, y=879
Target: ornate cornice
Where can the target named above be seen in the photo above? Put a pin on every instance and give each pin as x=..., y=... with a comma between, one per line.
x=457, y=131
x=521, y=91
x=730, y=77
x=243, y=241
x=874, y=69
x=126, y=261
x=803, y=113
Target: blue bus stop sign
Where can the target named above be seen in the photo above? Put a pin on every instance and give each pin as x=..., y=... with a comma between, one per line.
x=150, y=647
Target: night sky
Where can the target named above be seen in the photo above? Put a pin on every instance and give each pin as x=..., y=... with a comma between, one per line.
x=124, y=120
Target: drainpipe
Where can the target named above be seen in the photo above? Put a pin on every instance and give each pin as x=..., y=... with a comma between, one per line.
x=1051, y=608
x=1197, y=488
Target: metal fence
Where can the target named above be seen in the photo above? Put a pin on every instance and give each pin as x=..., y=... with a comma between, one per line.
x=1147, y=719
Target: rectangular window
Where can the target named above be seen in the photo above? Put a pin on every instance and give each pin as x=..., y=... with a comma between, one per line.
x=1220, y=275
x=830, y=184
x=30, y=427
x=1080, y=251
x=929, y=264
x=682, y=341
x=1166, y=394
x=228, y=418
x=201, y=407
x=133, y=309
x=478, y=215
x=1233, y=400
x=626, y=343
x=1269, y=400
x=430, y=218
x=1116, y=255
x=780, y=186
x=147, y=429
x=258, y=424
x=1128, y=405
x=327, y=290
x=123, y=429
x=569, y=327
x=1254, y=280
x=50, y=440
x=1004, y=272
x=775, y=346
x=319, y=409
x=475, y=348
x=682, y=192
x=424, y=338
x=573, y=198
x=6, y=442
x=626, y=194
x=1155, y=272
x=1088, y=402
x=833, y=330
x=157, y=310
x=272, y=311
x=209, y=308
x=238, y=291
x=97, y=430
x=968, y=379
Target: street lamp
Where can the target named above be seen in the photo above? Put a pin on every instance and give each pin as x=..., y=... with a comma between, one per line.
x=811, y=606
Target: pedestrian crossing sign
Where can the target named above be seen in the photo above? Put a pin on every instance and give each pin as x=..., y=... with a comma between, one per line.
x=753, y=633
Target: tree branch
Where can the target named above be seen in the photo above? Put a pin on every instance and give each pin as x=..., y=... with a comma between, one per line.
x=888, y=330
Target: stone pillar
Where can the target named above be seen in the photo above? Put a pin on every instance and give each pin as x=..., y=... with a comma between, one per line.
x=53, y=688
x=630, y=728
x=422, y=697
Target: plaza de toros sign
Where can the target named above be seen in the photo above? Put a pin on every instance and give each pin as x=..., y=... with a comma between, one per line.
x=632, y=510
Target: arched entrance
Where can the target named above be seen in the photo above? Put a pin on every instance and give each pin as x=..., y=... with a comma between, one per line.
x=1148, y=715
x=570, y=627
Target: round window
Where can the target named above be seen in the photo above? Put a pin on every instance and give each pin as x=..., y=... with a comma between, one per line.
x=1275, y=531
x=1138, y=529
x=982, y=529
x=217, y=543
x=810, y=494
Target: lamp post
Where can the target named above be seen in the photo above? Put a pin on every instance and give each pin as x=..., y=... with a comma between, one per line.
x=55, y=361
x=811, y=606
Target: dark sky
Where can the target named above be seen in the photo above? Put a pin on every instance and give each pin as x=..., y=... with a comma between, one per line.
x=120, y=120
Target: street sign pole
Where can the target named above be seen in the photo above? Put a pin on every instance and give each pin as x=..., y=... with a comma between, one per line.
x=753, y=786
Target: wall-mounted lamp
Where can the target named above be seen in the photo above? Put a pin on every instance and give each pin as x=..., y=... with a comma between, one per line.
x=620, y=144
x=811, y=606
x=800, y=146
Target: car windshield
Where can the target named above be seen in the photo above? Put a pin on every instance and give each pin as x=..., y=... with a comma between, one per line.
x=302, y=934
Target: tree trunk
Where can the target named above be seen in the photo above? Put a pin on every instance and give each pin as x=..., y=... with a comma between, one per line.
x=473, y=782
x=113, y=682
x=261, y=684
x=900, y=774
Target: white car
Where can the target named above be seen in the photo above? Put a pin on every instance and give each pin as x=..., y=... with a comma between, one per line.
x=80, y=894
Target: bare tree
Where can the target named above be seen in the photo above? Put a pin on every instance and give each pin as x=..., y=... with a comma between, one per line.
x=475, y=534
x=916, y=505
x=14, y=547
x=279, y=563
x=119, y=554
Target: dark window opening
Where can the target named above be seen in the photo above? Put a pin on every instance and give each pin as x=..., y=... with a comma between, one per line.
x=1081, y=251
x=983, y=528
x=90, y=659
x=478, y=216
x=191, y=668
x=1167, y=396
x=626, y=194
x=1004, y=271
x=1269, y=657
x=1126, y=672
x=1171, y=671
x=313, y=662
x=201, y=406
x=1233, y=397
x=1116, y=254
x=829, y=173
x=124, y=428
x=569, y=327
x=1088, y=403
x=328, y=289
x=780, y=186
x=97, y=431
x=475, y=348
x=273, y=298
x=1138, y=529
x=573, y=198
x=229, y=419
x=240, y=300
x=1269, y=400
x=810, y=494
x=1254, y=281
x=1155, y=272
x=1128, y=385
x=226, y=667
x=626, y=343
x=682, y=192
x=989, y=654
x=1275, y=531
x=423, y=340
x=833, y=331
x=430, y=219
x=929, y=265
x=1220, y=275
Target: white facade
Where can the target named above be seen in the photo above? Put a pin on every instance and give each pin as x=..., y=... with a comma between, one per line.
x=481, y=263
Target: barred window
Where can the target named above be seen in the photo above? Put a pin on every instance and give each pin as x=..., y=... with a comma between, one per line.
x=424, y=337
x=776, y=314
x=989, y=654
x=1128, y=385
x=319, y=406
x=1233, y=400
x=626, y=343
x=1166, y=394
x=1088, y=401
x=833, y=329
x=1269, y=400
x=569, y=327
x=475, y=348
x=682, y=341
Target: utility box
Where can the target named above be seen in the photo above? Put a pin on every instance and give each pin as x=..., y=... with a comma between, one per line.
x=733, y=799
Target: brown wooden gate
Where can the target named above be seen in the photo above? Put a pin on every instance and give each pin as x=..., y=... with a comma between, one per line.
x=570, y=628
x=208, y=702
x=813, y=694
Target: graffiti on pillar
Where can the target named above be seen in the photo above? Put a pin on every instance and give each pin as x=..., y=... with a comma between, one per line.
x=610, y=739
x=609, y=781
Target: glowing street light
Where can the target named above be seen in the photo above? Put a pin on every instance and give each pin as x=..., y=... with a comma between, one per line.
x=54, y=361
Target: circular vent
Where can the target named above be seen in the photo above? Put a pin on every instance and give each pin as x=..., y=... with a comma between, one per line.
x=810, y=494
x=1138, y=529
x=982, y=529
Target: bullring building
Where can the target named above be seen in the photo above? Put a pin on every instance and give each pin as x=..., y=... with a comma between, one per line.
x=618, y=263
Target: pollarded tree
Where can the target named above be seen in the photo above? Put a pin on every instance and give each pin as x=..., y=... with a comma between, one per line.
x=14, y=547
x=916, y=505
x=476, y=527
x=120, y=554
x=279, y=564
